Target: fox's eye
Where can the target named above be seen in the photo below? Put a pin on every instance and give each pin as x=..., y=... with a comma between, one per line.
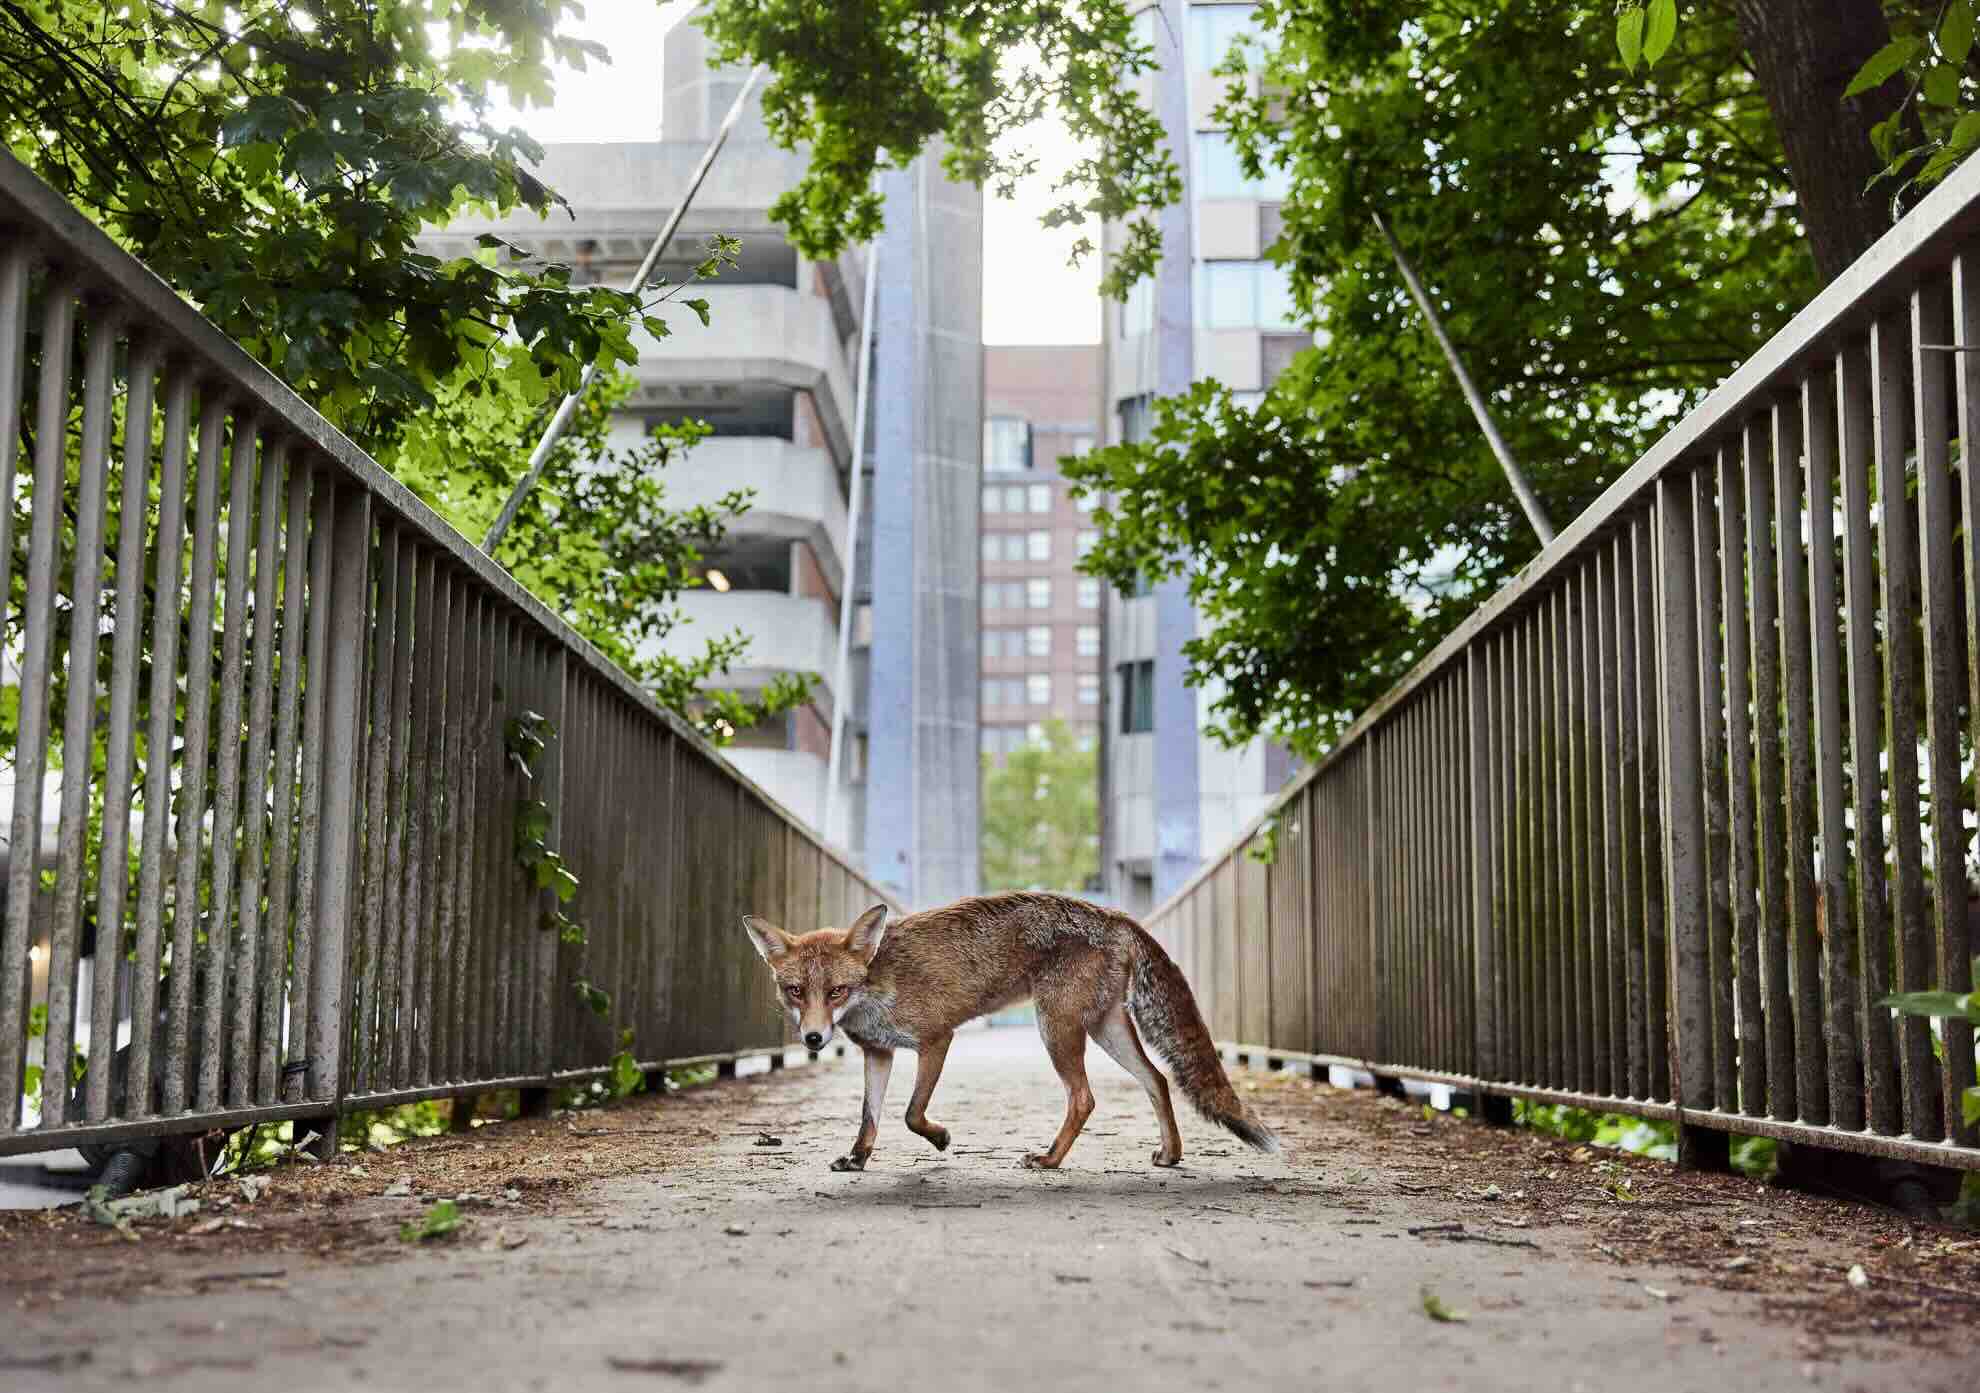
x=838, y=993
x=794, y=992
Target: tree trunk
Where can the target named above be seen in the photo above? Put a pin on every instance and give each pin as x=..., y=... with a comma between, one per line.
x=1805, y=52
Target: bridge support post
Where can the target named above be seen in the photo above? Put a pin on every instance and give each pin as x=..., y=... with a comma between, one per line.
x=725, y=1069
x=1390, y=1086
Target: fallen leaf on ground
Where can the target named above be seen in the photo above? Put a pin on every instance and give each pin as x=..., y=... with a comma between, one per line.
x=1434, y=1307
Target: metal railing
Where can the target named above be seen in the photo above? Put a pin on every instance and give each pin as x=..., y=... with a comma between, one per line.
x=1659, y=826
x=276, y=692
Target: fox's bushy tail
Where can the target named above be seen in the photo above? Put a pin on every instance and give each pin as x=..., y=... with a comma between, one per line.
x=1165, y=1012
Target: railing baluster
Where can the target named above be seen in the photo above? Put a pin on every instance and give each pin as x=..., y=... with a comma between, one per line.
x=1932, y=323
x=227, y=778
x=168, y=585
x=1873, y=907
x=255, y=1050
x=1680, y=611
x=1890, y=347
x=1765, y=539
x=1955, y=945
x=1821, y=406
x=287, y=920
x=79, y=718
x=1749, y=1049
x=113, y=886
x=58, y=320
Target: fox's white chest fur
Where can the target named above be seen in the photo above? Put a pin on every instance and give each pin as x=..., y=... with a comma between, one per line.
x=871, y=1024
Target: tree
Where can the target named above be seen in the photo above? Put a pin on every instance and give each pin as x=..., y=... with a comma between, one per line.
x=1608, y=246
x=864, y=86
x=1041, y=815
x=333, y=133
x=1336, y=531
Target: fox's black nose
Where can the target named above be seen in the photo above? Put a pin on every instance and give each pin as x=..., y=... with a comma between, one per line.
x=812, y=1039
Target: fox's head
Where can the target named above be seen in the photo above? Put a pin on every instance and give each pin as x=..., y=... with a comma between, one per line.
x=819, y=975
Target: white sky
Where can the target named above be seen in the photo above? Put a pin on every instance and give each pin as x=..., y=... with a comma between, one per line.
x=1030, y=295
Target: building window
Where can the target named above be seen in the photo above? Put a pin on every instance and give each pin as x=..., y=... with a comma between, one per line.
x=1038, y=689
x=1089, y=593
x=1136, y=419
x=1038, y=594
x=1081, y=444
x=1085, y=541
x=993, y=500
x=1138, y=310
x=1041, y=498
x=1086, y=500
x=1246, y=295
x=1006, y=445
x=1137, y=696
x=993, y=547
x=1220, y=175
x=1088, y=641
x=1003, y=643
x=1038, y=641
x=1038, y=546
x=1213, y=29
x=1087, y=735
x=1014, y=498
x=1004, y=594
x=1229, y=294
x=1089, y=689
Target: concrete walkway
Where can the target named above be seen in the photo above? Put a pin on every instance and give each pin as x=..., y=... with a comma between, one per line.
x=738, y=1266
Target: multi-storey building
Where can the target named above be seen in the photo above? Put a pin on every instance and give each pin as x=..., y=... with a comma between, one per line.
x=774, y=374
x=1217, y=309
x=1040, y=617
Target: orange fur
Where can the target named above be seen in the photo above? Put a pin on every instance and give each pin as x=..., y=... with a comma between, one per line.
x=1092, y=973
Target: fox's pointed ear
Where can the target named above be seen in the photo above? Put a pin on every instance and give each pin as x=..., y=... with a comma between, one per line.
x=866, y=932
x=770, y=941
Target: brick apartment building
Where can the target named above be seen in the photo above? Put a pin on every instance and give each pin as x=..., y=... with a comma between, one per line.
x=1040, y=618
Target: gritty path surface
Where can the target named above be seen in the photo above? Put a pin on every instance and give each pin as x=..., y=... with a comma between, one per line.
x=661, y=1246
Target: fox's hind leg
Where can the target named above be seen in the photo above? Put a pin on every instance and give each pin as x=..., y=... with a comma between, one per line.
x=1064, y=1033
x=927, y=1072
x=1116, y=1035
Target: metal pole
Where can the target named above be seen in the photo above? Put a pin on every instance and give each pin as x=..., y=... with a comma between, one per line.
x=848, y=566
x=1524, y=491
x=568, y=407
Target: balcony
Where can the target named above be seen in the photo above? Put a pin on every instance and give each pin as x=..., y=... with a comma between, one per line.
x=758, y=336
x=798, y=493
x=787, y=633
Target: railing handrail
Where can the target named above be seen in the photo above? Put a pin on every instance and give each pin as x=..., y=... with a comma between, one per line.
x=44, y=218
x=1842, y=308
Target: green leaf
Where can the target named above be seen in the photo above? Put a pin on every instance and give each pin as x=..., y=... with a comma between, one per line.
x=1951, y=1004
x=1970, y=1105
x=700, y=307
x=1434, y=1307
x=439, y=1221
x=1956, y=34
x=1883, y=65
x=1629, y=36
x=627, y=1077
x=1941, y=85
x=1659, y=30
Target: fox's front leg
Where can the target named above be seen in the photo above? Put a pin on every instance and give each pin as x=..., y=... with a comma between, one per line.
x=879, y=1064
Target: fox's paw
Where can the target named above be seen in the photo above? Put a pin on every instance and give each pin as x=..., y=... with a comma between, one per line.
x=1039, y=1161
x=938, y=1137
x=1165, y=1160
x=850, y=1163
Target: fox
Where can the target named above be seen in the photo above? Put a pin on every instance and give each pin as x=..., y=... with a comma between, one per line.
x=1092, y=973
